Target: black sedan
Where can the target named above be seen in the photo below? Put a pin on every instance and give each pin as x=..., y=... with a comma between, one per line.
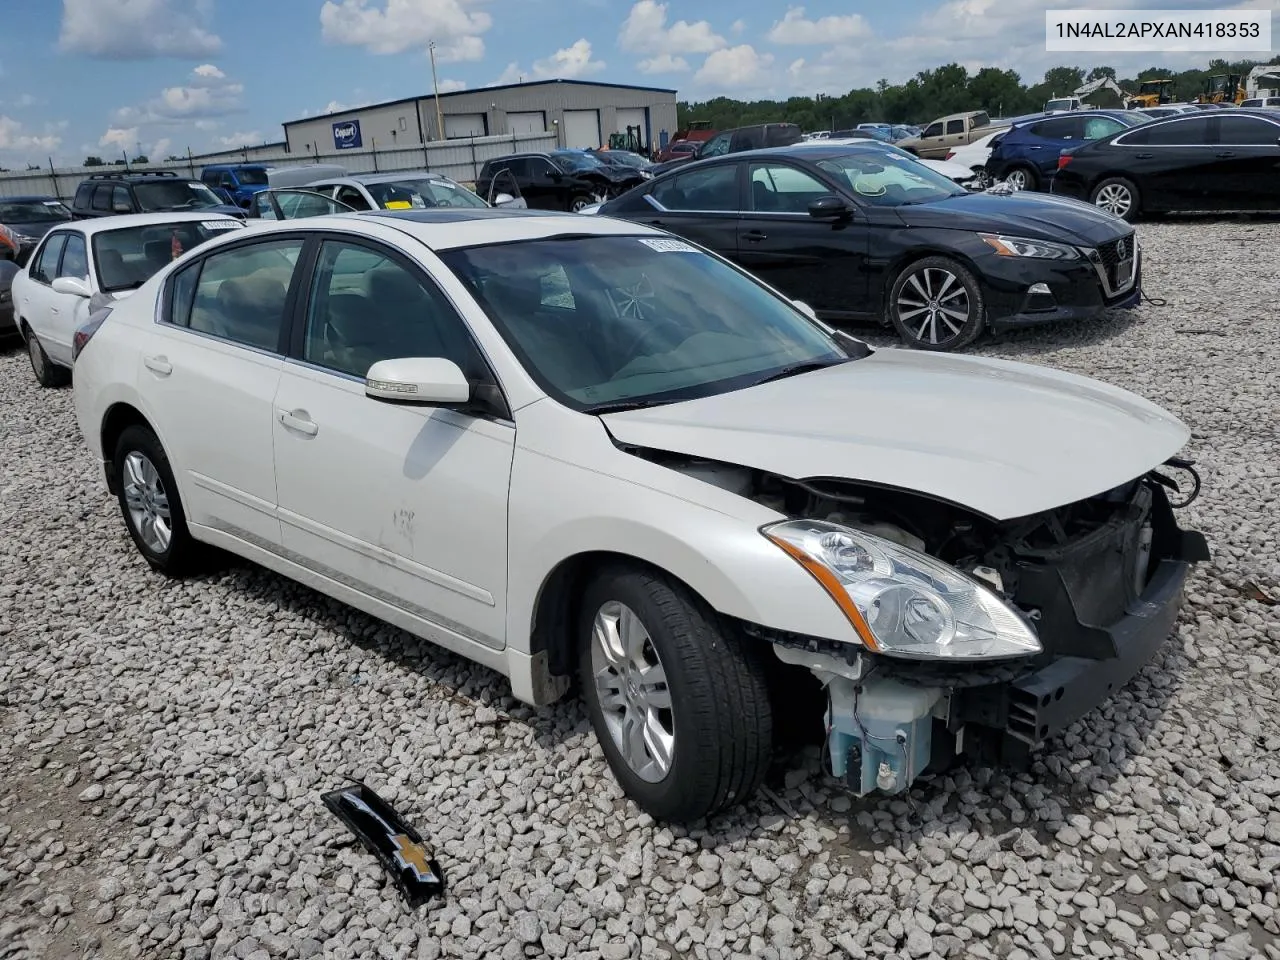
x=30, y=218
x=1218, y=160
x=864, y=233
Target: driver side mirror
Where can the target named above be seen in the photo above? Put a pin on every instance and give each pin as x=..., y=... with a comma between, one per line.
x=829, y=207
x=71, y=285
x=507, y=200
x=428, y=381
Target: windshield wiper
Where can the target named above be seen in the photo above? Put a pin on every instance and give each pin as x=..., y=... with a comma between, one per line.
x=797, y=368
x=619, y=406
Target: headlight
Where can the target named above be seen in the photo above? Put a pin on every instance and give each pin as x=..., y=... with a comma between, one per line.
x=903, y=603
x=1035, y=249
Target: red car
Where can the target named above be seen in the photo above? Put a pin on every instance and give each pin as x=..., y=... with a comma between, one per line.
x=677, y=149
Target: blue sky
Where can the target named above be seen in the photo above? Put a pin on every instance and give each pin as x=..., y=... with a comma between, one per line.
x=101, y=76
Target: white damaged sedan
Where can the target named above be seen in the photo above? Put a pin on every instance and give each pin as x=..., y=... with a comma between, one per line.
x=577, y=447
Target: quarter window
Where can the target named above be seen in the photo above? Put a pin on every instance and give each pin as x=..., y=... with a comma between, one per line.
x=776, y=188
x=715, y=189
x=45, y=266
x=367, y=306
x=75, y=258
x=1248, y=132
x=242, y=293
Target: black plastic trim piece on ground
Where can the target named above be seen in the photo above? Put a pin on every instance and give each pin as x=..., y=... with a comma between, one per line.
x=398, y=847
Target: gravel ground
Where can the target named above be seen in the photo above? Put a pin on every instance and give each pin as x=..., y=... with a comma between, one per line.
x=165, y=744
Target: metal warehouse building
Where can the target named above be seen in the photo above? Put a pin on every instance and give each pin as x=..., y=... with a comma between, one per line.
x=579, y=113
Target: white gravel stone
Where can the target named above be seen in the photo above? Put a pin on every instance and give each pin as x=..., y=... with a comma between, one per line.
x=179, y=734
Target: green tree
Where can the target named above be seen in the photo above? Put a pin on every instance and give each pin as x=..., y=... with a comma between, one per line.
x=1097, y=73
x=140, y=158
x=92, y=162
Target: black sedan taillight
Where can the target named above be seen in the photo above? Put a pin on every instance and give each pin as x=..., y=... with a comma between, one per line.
x=86, y=331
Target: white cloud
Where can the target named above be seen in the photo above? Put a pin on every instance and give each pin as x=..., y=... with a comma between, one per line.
x=160, y=149
x=122, y=138
x=737, y=27
x=240, y=138
x=645, y=31
x=452, y=86
x=208, y=94
x=735, y=68
x=794, y=29
x=135, y=29
x=394, y=26
x=512, y=74
x=569, y=62
x=15, y=138
x=663, y=63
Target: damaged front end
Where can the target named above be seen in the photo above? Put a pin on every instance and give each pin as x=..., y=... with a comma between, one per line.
x=980, y=637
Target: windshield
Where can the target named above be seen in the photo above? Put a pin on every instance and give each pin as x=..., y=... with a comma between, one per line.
x=890, y=179
x=252, y=176
x=604, y=319
x=420, y=193
x=33, y=211
x=573, y=162
x=625, y=159
x=127, y=258
x=175, y=195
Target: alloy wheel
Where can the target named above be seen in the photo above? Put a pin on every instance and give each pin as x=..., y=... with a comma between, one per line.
x=147, y=501
x=1115, y=198
x=631, y=685
x=936, y=300
x=1018, y=179
x=579, y=203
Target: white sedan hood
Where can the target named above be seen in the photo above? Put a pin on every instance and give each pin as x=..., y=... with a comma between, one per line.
x=1002, y=439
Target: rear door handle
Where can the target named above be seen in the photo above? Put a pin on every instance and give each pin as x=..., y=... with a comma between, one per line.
x=755, y=236
x=160, y=365
x=300, y=422
x=1144, y=156
x=1225, y=155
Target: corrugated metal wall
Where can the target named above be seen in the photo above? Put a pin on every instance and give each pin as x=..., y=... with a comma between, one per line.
x=459, y=159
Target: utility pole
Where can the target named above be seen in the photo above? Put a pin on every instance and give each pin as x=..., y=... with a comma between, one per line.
x=435, y=83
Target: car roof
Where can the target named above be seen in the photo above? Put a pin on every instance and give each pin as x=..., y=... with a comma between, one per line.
x=458, y=227
x=127, y=220
x=31, y=198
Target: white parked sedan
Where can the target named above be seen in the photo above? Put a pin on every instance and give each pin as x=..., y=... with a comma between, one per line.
x=85, y=265
x=565, y=446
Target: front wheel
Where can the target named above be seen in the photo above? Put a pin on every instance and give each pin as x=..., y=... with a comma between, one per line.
x=579, y=202
x=680, y=706
x=1119, y=196
x=1022, y=178
x=936, y=304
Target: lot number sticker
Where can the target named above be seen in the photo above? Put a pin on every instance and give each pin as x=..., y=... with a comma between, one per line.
x=662, y=245
x=220, y=224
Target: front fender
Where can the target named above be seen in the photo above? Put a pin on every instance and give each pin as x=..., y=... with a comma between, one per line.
x=606, y=500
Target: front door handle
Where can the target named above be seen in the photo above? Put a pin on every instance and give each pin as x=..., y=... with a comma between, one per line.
x=159, y=365
x=299, y=421
x=1144, y=156
x=1225, y=155
x=755, y=236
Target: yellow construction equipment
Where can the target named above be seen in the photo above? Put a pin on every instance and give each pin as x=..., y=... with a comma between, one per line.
x=1151, y=93
x=1222, y=88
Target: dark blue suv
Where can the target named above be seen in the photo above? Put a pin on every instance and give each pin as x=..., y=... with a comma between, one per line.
x=1027, y=156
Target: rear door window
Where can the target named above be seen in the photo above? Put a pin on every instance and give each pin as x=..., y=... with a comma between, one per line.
x=102, y=197
x=1248, y=132
x=955, y=126
x=713, y=190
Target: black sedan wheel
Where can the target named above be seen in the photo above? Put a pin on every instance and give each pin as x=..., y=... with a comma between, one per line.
x=1117, y=195
x=936, y=304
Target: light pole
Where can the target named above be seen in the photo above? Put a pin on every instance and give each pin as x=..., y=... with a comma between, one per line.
x=435, y=83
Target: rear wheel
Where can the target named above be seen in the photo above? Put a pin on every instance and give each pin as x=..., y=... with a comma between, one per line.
x=1119, y=196
x=1022, y=178
x=48, y=373
x=149, y=502
x=680, y=706
x=936, y=304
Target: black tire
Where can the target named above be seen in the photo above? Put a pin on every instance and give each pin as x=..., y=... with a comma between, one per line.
x=1117, y=187
x=47, y=373
x=932, y=328
x=183, y=554
x=720, y=713
x=578, y=201
x=1028, y=174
